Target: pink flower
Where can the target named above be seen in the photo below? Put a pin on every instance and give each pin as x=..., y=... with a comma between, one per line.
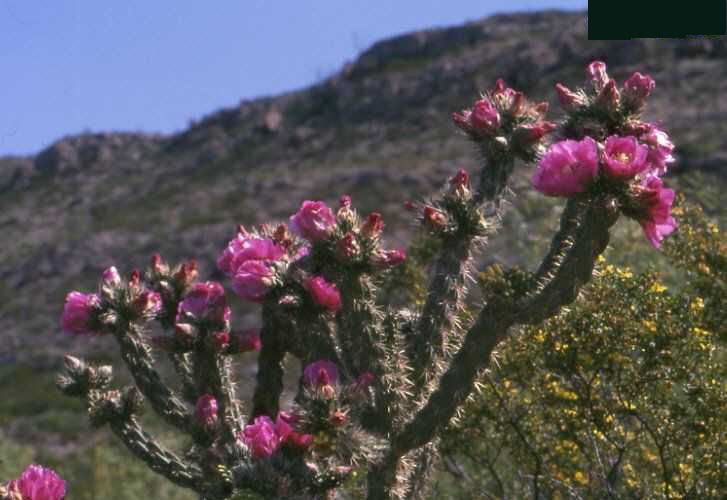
x=39, y=483
x=320, y=373
x=78, y=312
x=253, y=280
x=314, y=221
x=206, y=410
x=147, y=304
x=653, y=213
x=624, y=157
x=324, y=294
x=637, y=88
x=261, y=437
x=243, y=248
x=660, y=149
x=567, y=168
x=205, y=301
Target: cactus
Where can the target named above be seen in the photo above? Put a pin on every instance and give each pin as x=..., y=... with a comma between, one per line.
x=380, y=382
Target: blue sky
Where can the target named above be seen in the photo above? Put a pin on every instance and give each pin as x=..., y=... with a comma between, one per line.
x=70, y=66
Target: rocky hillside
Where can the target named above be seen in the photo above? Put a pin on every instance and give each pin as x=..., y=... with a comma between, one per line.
x=379, y=130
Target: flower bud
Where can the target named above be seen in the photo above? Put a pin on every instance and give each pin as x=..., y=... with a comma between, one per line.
x=434, y=218
x=373, y=226
x=147, y=304
x=320, y=373
x=347, y=247
x=517, y=104
x=484, y=118
x=529, y=134
x=158, y=266
x=609, y=98
x=345, y=201
x=111, y=278
x=135, y=280
x=637, y=88
x=324, y=294
x=246, y=341
x=569, y=100
x=206, y=410
x=390, y=258
x=187, y=273
x=460, y=183
x=363, y=382
x=78, y=313
x=597, y=73
x=74, y=366
x=338, y=418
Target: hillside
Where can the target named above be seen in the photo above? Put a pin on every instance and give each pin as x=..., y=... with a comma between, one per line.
x=379, y=130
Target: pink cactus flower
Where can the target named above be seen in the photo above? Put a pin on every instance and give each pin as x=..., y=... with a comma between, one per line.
x=654, y=203
x=320, y=373
x=637, y=88
x=660, y=149
x=38, y=483
x=624, y=157
x=314, y=221
x=78, y=312
x=261, y=437
x=597, y=73
x=245, y=247
x=253, y=280
x=206, y=410
x=205, y=301
x=324, y=294
x=567, y=168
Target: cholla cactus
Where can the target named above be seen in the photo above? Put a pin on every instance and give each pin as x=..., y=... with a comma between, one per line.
x=380, y=382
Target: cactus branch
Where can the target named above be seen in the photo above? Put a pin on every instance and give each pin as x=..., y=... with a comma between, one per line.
x=269, y=387
x=155, y=455
x=136, y=354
